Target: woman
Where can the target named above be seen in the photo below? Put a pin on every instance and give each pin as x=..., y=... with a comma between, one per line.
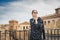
x=37, y=27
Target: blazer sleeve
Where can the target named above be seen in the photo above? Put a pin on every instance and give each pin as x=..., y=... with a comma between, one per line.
x=43, y=30
x=32, y=22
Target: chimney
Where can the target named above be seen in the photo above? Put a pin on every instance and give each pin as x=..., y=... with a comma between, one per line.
x=57, y=10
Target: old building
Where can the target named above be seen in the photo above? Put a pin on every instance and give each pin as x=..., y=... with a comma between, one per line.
x=52, y=21
x=24, y=26
x=13, y=24
x=4, y=27
x=21, y=28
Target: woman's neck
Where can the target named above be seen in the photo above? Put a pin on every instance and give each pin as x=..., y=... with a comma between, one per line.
x=35, y=17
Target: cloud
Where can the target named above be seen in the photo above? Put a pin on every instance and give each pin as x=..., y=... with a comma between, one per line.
x=21, y=10
x=52, y=2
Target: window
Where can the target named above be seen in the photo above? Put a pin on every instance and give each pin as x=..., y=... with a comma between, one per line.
x=45, y=22
x=11, y=27
x=26, y=27
x=48, y=21
x=23, y=27
x=53, y=21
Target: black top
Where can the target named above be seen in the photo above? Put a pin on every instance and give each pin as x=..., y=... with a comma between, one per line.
x=37, y=30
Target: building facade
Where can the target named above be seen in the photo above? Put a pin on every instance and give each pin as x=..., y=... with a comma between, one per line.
x=52, y=21
x=24, y=26
x=13, y=24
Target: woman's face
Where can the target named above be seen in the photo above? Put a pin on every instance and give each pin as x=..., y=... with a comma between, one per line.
x=34, y=14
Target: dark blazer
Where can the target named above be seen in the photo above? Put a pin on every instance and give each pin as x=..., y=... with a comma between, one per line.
x=37, y=30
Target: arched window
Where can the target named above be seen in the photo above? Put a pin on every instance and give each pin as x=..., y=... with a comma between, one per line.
x=48, y=21
x=27, y=27
x=53, y=21
x=23, y=27
x=44, y=22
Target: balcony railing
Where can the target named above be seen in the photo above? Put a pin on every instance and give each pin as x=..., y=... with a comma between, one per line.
x=51, y=34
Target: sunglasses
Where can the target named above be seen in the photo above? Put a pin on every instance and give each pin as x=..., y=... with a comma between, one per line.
x=35, y=12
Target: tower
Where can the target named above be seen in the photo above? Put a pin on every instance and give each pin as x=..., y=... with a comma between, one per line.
x=13, y=24
x=57, y=10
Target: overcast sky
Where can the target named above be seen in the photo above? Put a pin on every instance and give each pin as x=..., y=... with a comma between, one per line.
x=21, y=9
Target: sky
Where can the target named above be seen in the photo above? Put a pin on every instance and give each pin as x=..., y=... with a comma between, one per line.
x=21, y=9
